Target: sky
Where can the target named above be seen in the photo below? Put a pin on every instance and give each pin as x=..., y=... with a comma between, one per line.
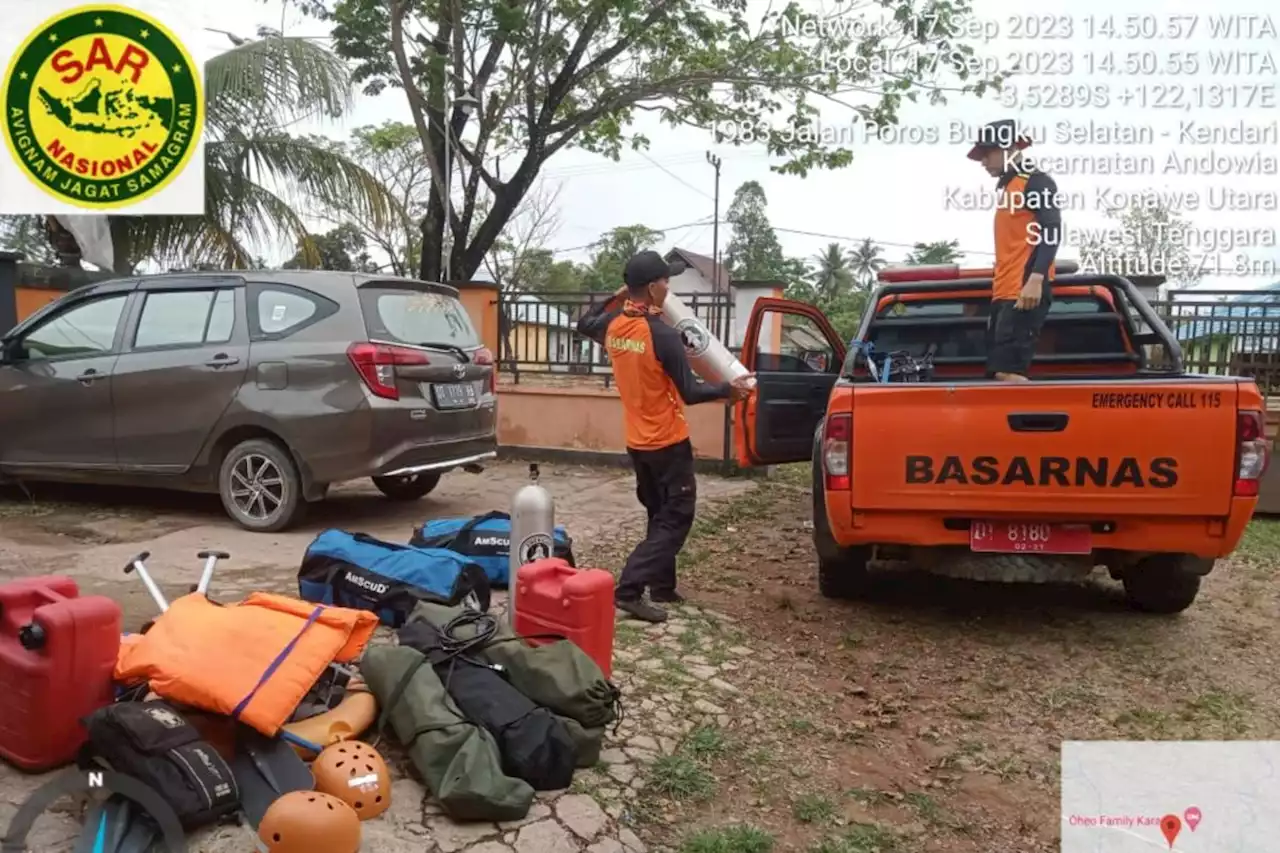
x=899, y=193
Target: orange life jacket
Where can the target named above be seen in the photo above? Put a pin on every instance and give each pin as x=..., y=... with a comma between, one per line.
x=254, y=661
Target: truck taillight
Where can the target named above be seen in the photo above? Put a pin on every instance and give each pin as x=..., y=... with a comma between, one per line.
x=376, y=364
x=1252, y=453
x=837, y=444
x=484, y=355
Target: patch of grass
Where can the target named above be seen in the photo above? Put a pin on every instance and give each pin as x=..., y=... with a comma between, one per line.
x=689, y=641
x=680, y=777
x=925, y=806
x=850, y=641
x=813, y=808
x=801, y=726
x=625, y=633
x=1067, y=697
x=1261, y=541
x=861, y=838
x=963, y=757
x=868, y=796
x=761, y=757
x=1148, y=723
x=705, y=742
x=1230, y=710
x=729, y=839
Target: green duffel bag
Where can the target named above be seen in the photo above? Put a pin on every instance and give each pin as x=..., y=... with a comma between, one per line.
x=458, y=760
x=558, y=676
x=587, y=743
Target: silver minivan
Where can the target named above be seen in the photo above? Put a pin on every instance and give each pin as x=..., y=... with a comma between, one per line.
x=264, y=387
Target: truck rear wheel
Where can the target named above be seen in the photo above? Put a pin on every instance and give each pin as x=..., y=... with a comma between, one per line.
x=842, y=571
x=1163, y=583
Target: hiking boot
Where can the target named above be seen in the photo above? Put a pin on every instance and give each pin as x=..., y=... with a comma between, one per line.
x=642, y=610
x=665, y=597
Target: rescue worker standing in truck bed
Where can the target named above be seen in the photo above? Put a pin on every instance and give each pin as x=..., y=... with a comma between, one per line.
x=654, y=380
x=1028, y=228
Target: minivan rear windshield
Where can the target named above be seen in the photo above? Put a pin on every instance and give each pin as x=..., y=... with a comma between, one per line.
x=416, y=317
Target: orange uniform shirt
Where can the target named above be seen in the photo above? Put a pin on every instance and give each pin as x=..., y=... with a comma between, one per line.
x=1028, y=228
x=651, y=371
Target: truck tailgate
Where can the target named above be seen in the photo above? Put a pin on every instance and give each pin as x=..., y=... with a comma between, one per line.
x=1061, y=449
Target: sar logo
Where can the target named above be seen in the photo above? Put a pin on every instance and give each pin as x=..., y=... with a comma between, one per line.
x=102, y=107
x=695, y=338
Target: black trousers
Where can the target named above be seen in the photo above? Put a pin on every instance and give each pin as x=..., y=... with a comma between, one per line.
x=1012, y=335
x=667, y=488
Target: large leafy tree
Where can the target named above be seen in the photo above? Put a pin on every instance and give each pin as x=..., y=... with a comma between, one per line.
x=344, y=248
x=1157, y=245
x=391, y=153
x=612, y=251
x=754, y=252
x=550, y=75
x=27, y=236
x=258, y=176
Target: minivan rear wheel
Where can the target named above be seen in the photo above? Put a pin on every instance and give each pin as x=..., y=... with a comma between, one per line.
x=260, y=486
x=409, y=487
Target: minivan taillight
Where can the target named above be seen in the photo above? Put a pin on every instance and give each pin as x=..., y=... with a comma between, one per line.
x=1252, y=453
x=484, y=356
x=837, y=444
x=376, y=364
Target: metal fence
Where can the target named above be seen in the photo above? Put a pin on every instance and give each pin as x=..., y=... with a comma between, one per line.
x=1227, y=332
x=538, y=331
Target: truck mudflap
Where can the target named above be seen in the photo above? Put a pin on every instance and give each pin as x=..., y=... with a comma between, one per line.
x=1060, y=450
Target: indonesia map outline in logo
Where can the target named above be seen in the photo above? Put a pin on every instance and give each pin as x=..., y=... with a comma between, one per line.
x=102, y=107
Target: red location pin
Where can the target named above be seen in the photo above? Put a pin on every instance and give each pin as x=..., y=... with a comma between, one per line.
x=1192, y=817
x=1170, y=825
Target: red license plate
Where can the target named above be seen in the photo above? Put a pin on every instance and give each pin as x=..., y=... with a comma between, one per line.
x=1030, y=537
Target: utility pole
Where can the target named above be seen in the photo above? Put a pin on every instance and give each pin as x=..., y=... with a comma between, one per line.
x=715, y=223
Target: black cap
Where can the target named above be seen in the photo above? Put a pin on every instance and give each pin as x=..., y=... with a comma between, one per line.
x=999, y=135
x=647, y=267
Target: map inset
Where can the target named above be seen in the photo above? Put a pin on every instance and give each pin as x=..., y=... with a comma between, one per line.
x=1180, y=796
x=115, y=111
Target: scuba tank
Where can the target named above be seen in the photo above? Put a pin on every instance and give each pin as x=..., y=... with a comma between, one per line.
x=533, y=522
x=708, y=357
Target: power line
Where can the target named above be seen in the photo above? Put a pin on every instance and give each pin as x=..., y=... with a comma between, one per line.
x=675, y=176
x=912, y=246
x=596, y=242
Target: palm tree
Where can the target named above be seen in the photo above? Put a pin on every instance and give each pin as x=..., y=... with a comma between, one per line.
x=940, y=252
x=258, y=175
x=832, y=275
x=867, y=261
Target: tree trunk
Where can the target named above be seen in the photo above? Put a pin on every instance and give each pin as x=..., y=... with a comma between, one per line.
x=122, y=261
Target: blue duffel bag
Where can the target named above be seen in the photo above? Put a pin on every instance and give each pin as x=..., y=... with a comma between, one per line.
x=355, y=570
x=486, y=539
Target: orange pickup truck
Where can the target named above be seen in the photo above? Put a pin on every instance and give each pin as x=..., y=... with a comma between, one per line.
x=1110, y=456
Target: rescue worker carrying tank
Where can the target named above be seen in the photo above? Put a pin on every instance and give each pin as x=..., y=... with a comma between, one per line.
x=654, y=380
x=1028, y=228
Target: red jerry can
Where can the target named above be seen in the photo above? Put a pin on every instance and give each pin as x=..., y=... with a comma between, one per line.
x=555, y=598
x=57, y=656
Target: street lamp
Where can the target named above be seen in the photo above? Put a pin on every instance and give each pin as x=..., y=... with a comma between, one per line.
x=467, y=104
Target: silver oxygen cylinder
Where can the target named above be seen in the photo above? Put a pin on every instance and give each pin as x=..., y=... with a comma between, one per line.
x=533, y=523
x=708, y=357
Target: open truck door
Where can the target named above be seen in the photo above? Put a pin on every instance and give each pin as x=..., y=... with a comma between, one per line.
x=796, y=355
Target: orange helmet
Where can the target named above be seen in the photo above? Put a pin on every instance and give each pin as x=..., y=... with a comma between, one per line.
x=355, y=773
x=309, y=822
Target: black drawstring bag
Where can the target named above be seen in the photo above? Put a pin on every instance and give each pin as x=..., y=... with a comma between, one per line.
x=533, y=742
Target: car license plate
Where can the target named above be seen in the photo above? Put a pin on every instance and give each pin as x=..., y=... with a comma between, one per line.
x=454, y=395
x=1030, y=537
